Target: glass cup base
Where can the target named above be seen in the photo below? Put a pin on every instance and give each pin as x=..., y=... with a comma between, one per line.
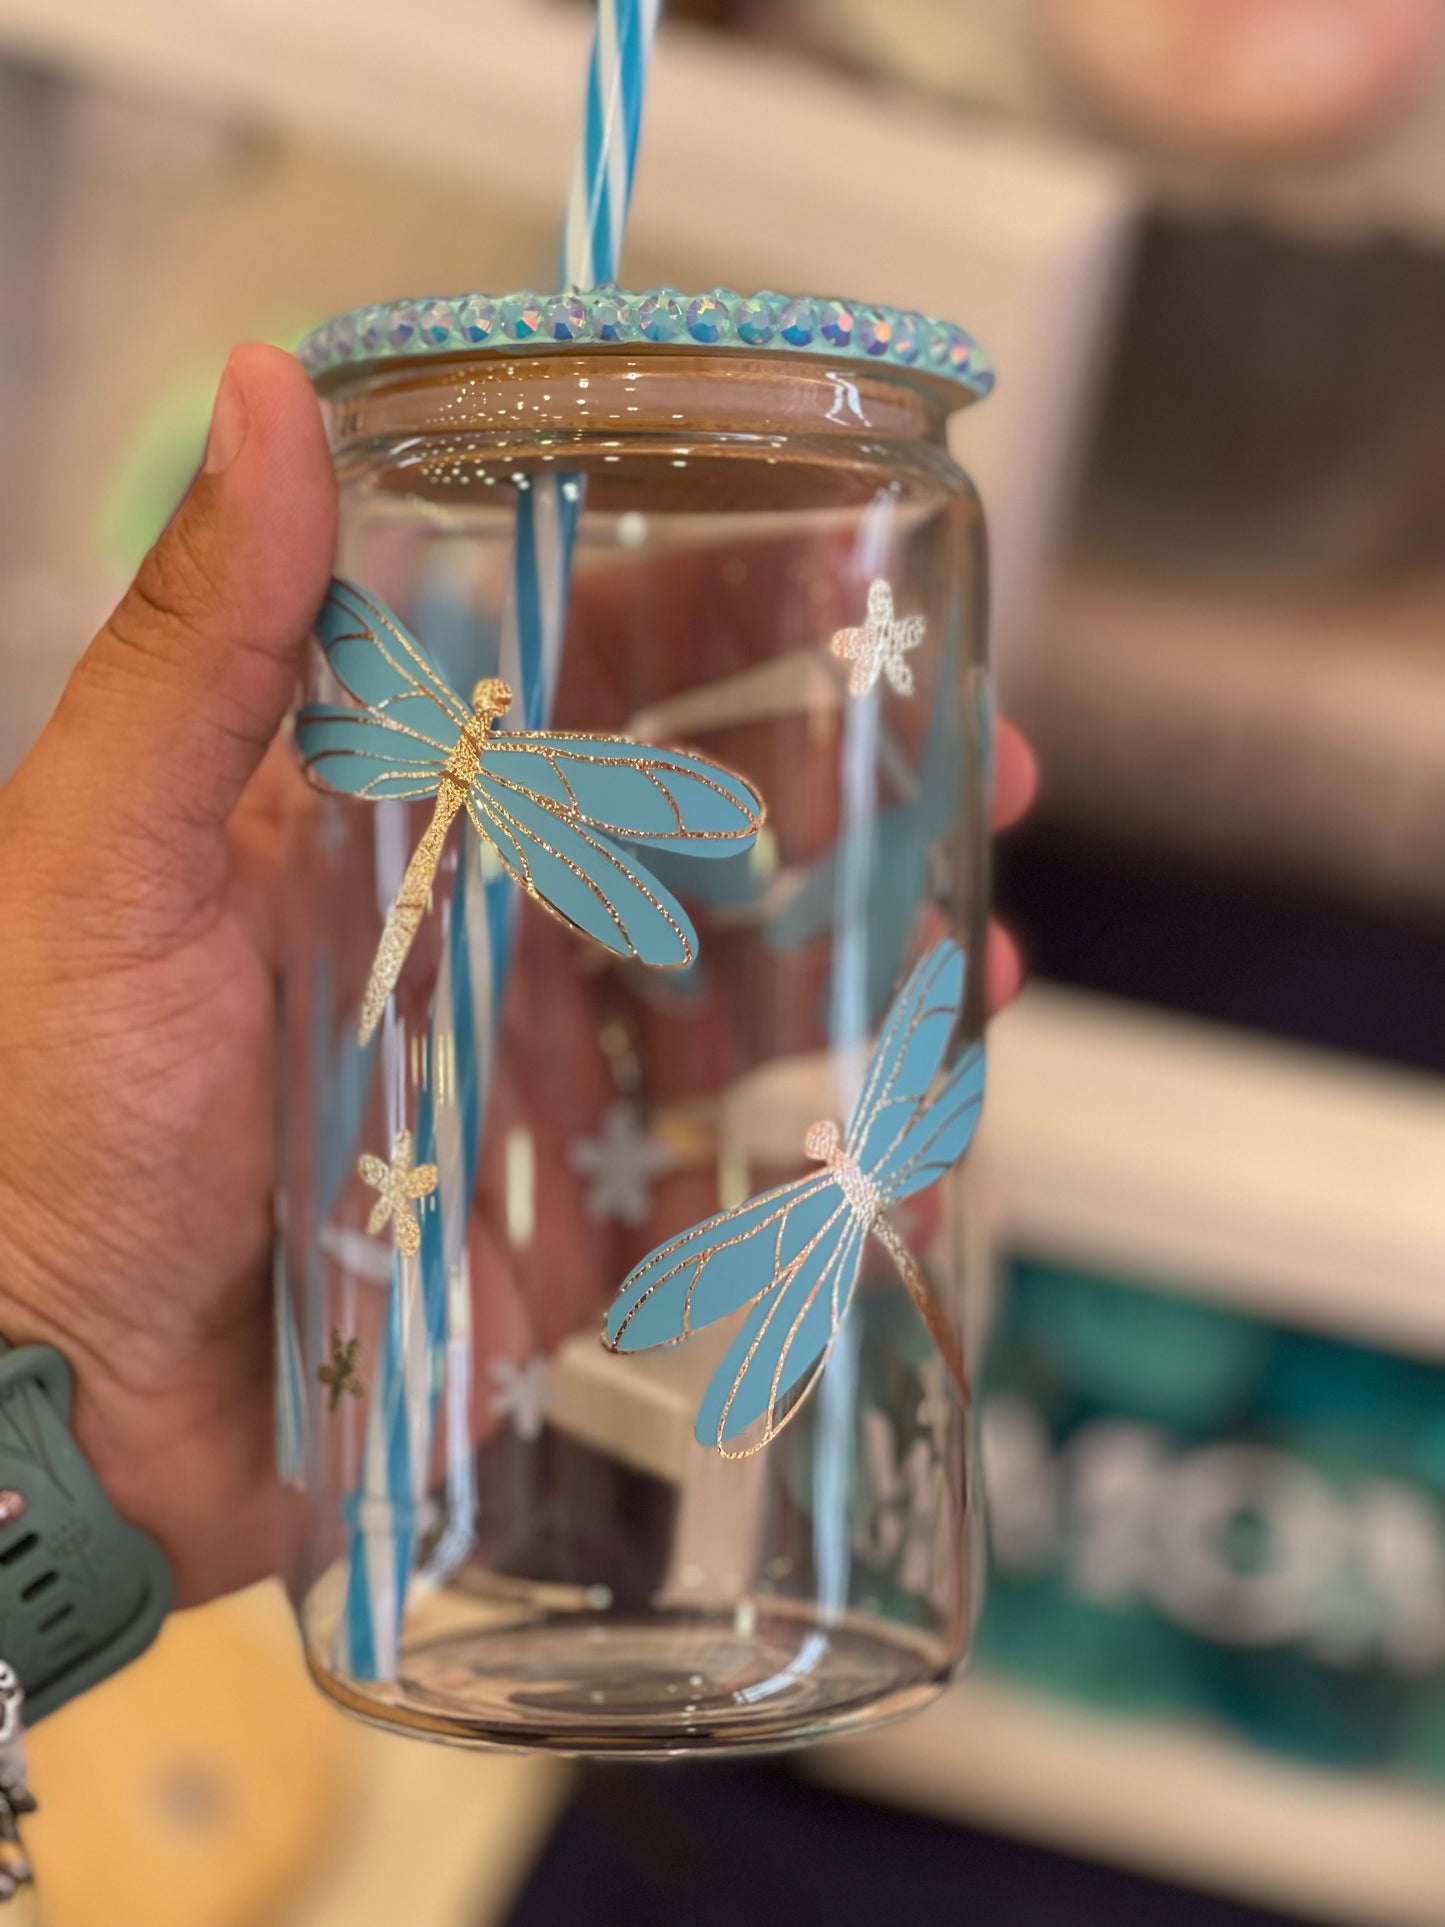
x=655, y=1686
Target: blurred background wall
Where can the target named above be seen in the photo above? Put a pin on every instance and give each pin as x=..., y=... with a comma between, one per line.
x=1203, y=242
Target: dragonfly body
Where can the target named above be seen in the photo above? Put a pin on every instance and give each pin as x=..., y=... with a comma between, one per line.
x=491, y=698
x=825, y=1143
x=868, y=1203
x=791, y=1257
x=553, y=804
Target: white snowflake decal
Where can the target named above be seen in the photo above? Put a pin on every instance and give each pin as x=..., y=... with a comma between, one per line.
x=524, y=1394
x=880, y=647
x=368, y=1258
x=623, y=1162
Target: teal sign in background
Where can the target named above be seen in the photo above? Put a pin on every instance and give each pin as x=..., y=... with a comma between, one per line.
x=1198, y=1514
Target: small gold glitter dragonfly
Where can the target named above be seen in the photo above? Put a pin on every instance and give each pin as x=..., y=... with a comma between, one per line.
x=400, y=1185
x=879, y=647
x=340, y=1374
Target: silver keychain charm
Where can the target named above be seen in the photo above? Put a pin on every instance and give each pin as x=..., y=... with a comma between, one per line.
x=15, y=1795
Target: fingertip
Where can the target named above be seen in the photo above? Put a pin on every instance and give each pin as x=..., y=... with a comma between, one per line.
x=1004, y=972
x=278, y=494
x=268, y=371
x=1016, y=776
x=188, y=680
x=283, y=408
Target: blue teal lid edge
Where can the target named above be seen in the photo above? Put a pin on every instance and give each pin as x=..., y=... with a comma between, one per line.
x=766, y=323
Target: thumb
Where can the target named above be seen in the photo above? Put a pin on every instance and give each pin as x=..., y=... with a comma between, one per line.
x=171, y=708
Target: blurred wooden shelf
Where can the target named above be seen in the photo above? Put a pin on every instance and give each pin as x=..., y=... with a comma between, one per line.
x=1290, y=735
x=1185, y=1156
x=1184, y=1804
x=1021, y=237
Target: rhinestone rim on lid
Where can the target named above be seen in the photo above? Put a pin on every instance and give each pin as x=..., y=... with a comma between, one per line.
x=718, y=319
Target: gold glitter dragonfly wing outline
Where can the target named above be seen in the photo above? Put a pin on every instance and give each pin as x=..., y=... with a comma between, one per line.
x=550, y=802
x=792, y=1256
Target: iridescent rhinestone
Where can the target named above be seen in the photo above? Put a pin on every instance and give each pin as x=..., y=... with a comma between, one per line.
x=564, y=318
x=371, y=330
x=437, y=320
x=798, y=323
x=928, y=332
x=950, y=349
x=401, y=325
x=707, y=318
x=611, y=318
x=958, y=352
x=522, y=314
x=659, y=316
x=755, y=317
x=343, y=336
x=477, y=319
x=910, y=331
x=838, y=324
x=875, y=331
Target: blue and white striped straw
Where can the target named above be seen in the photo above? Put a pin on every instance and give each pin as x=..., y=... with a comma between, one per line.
x=427, y=1340
x=383, y=1512
x=291, y=1388
x=427, y=1343
x=607, y=158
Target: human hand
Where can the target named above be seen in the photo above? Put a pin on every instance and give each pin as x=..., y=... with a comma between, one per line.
x=138, y=848
x=137, y=1026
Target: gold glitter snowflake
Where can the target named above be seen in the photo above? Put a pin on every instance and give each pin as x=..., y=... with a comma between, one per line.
x=340, y=1374
x=400, y=1185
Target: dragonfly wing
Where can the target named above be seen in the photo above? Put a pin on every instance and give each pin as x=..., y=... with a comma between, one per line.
x=588, y=882
x=719, y=1265
x=784, y=1340
x=377, y=659
x=377, y=757
x=620, y=789
x=907, y=1055
x=736, y=884
x=940, y=1133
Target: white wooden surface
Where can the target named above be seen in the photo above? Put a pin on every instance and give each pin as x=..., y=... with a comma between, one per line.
x=1305, y=1186
x=1188, y=1805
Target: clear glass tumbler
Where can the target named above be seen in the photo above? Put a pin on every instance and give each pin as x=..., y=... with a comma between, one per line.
x=753, y=547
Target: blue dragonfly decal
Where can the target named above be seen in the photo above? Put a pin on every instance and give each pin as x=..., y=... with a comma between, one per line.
x=794, y=1253
x=551, y=803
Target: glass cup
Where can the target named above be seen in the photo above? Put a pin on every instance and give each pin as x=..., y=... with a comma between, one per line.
x=514, y=1535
